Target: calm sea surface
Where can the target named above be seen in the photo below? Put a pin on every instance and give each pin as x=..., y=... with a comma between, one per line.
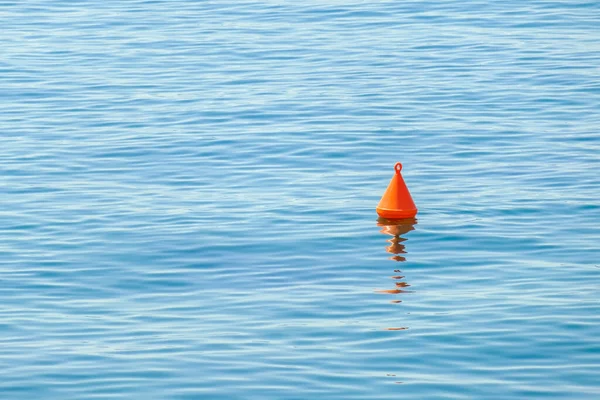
x=188, y=192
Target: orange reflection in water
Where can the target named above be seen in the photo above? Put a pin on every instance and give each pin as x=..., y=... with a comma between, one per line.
x=396, y=246
x=395, y=229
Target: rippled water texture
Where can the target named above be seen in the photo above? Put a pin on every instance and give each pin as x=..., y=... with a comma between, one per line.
x=188, y=195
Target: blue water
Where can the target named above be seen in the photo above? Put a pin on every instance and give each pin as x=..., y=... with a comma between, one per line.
x=188, y=192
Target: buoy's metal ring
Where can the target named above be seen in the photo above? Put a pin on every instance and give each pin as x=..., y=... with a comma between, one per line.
x=398, y=167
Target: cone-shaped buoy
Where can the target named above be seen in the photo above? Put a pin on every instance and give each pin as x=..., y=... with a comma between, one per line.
x=396, y=202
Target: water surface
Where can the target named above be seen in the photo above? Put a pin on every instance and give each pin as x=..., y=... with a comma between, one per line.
x=188, y=195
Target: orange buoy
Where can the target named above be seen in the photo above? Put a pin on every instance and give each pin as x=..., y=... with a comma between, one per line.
x=396, y=202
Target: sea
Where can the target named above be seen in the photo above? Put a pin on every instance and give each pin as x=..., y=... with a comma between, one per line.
x=188, y=193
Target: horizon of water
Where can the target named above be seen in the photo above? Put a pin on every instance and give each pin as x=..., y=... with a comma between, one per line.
x=189, y=190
